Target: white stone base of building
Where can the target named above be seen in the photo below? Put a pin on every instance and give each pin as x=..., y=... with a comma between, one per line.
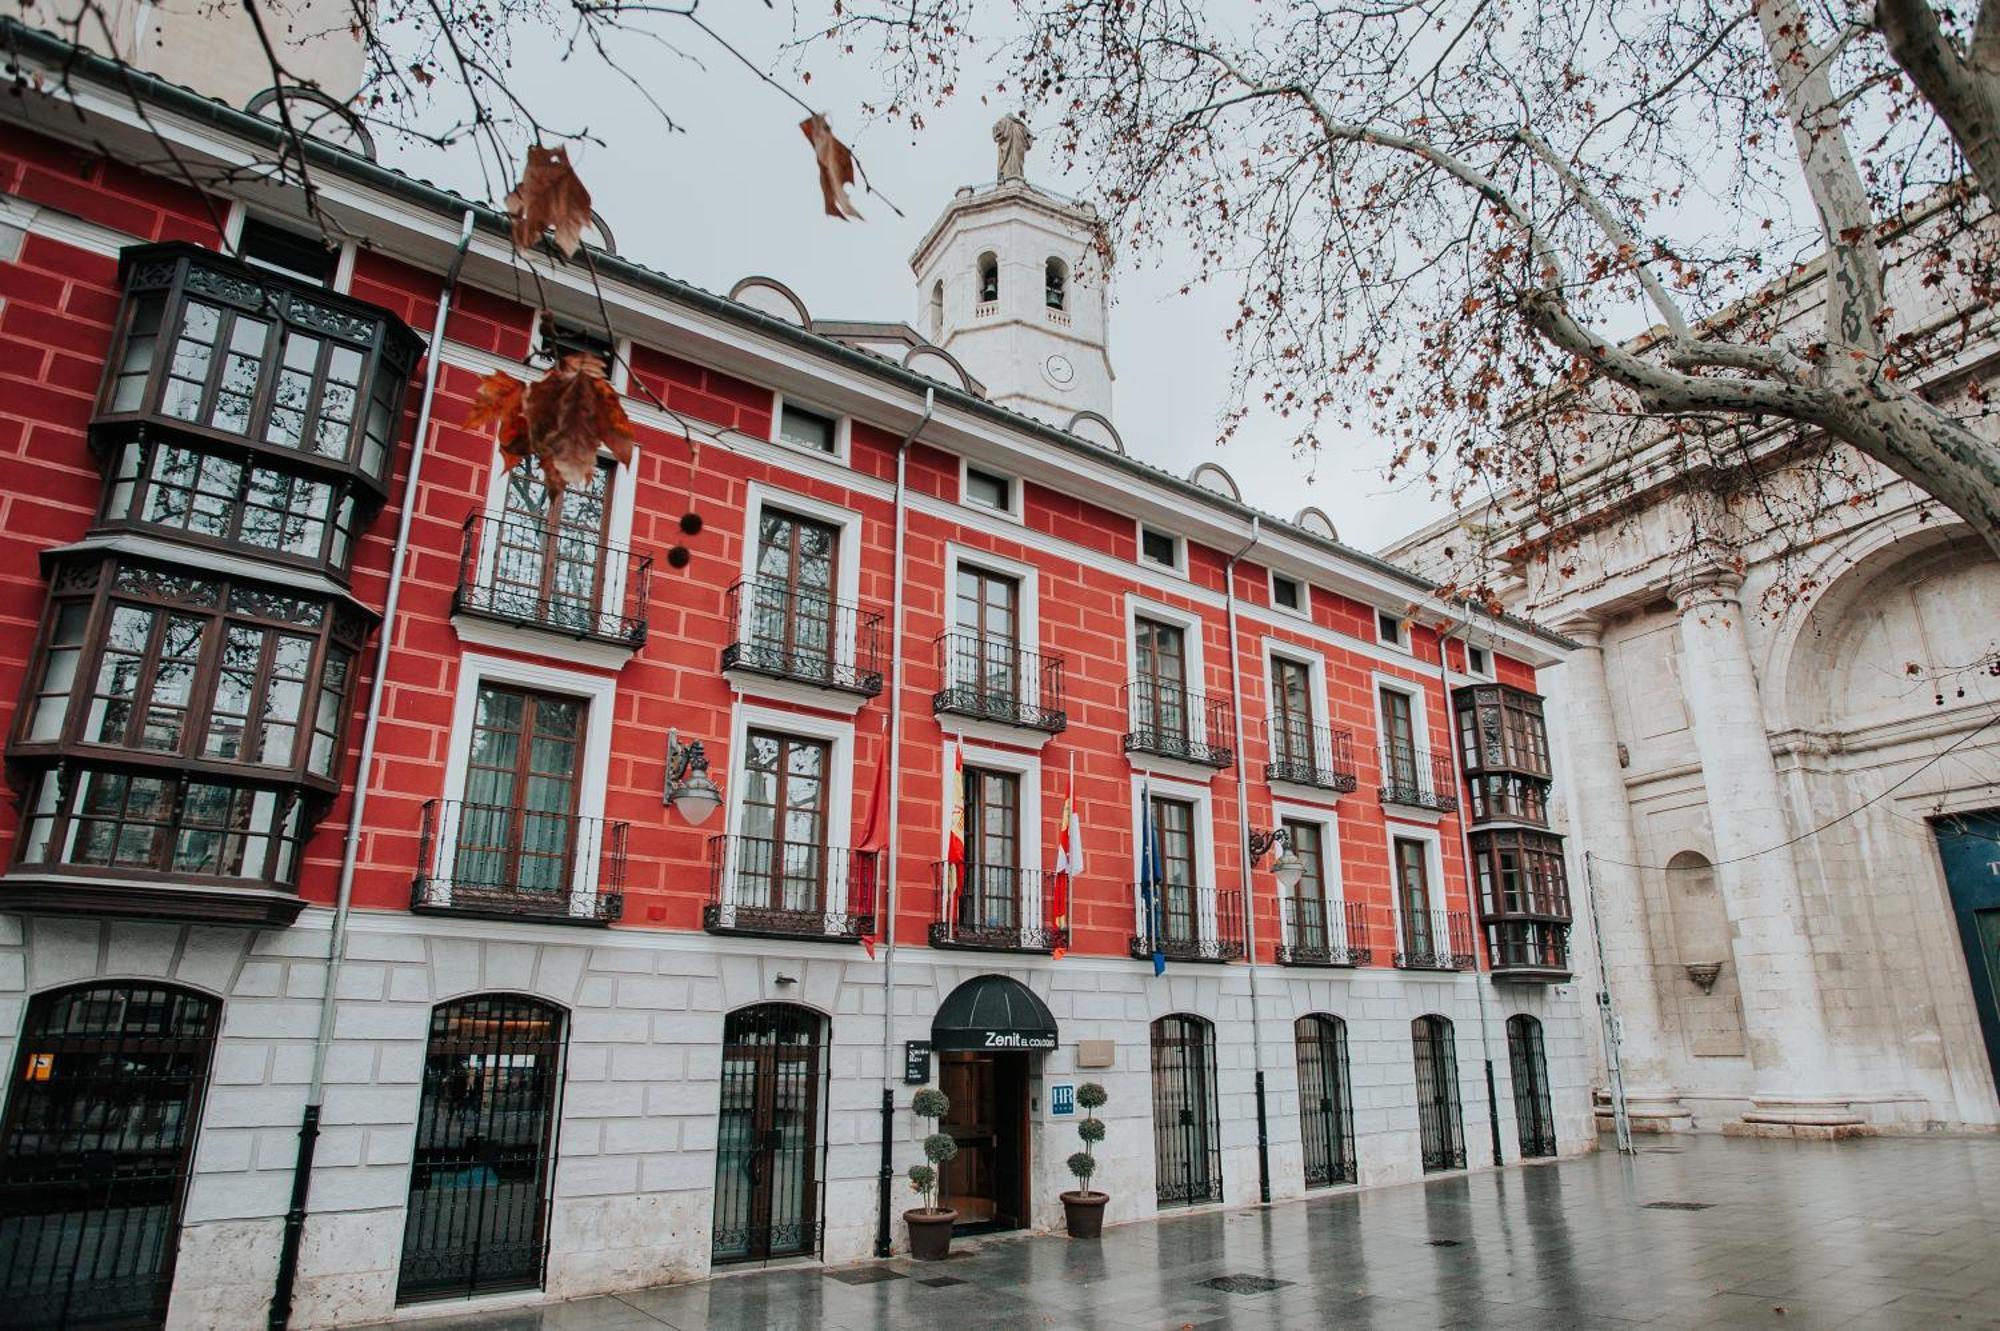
x=636, y=1133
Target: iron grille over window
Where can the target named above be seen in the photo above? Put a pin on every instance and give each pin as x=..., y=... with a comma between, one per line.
x=1534, y=1115
x=102, y=1115
x=1326, y=1100
x=249, y=360
x=478, y=1212
x=1187, y=1135
x=768, y=1141
x=1440, y=1117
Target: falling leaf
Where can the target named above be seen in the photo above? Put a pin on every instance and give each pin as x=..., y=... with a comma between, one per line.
x=571, y=411
x=550, y=196
x=836, y=167
x=560, y=420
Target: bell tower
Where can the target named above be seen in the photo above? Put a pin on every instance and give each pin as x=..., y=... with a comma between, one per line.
x=1014, y=281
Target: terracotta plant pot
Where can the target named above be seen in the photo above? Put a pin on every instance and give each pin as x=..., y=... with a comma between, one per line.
x=1084, y=1212
x=930, y=1233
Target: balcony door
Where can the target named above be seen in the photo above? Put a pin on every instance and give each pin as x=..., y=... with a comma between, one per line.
x=1173, y=831
x=1399, y=740
x=792, y=609
x=988, y=655
x=1159, y=693
x=1292, y=718
x=1413, y=895
x=548, y=549
x=989, y=897
x=781, y=854
x=517, y=827
x=1309, y=907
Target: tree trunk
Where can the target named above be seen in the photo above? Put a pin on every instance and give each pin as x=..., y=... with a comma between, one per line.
x=1965, y=94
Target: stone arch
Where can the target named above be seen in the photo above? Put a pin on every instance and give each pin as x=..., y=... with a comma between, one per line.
x=1214, y=478
x=937, y=311
x=1711, y=1017
x=1055, y=284
x=987, y=274
x=1897, y=593
x=768, y=295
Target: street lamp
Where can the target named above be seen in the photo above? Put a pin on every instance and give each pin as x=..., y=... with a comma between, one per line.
x=1287, y=868
x=689, y=790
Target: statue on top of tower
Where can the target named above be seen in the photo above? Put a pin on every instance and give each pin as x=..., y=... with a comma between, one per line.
x=1011, y=136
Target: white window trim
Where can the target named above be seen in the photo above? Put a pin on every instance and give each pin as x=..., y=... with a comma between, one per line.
x=843, y=428
x=1333, y=888
x=1029, y=612
x=1015, y=488
x=617, y=532
x=1196, y=682
x=1276, y=649
x=1420, y=728
x=1026, y=766
x=839, y=735
x=1488, y=675
x=1304, y=609
x=1206, y=888
x=1180, y=565
x=847, y=555
x=1434, y=871
x=594, y=763
x=343, y=264
x=1406, y=645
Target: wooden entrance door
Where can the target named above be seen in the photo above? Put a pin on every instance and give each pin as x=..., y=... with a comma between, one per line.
x=986, y=1182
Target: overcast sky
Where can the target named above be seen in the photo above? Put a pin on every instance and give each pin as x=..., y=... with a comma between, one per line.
x=736, y=193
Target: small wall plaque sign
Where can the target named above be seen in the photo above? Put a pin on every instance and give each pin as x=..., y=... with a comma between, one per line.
x=1095, y=1053
x=916, y=1062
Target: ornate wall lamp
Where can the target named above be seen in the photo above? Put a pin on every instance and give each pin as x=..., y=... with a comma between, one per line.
x=1288, y=867
x=689, y=790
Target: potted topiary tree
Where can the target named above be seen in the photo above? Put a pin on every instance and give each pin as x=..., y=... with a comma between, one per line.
x=1084, y=1208
x=930, y=1224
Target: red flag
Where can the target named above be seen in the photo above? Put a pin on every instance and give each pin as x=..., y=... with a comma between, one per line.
x=871, y=845
x=954, y=838
x=1069, y=858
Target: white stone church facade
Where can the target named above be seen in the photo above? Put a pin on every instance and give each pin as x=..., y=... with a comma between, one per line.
x=1785, y=775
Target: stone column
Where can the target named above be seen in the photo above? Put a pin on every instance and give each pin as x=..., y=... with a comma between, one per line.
x=1604, y=828
x=1772, y=951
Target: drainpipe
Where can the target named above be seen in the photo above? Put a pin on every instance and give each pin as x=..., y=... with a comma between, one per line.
x=1471, y=885
x=883, y=1242
x=336, y=945
x=1243, y=842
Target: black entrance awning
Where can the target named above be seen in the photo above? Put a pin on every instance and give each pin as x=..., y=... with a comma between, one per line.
x=993, y=1012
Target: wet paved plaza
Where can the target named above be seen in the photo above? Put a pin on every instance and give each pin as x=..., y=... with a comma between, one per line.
x=1891, y=1233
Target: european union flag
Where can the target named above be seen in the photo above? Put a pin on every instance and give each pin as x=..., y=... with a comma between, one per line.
x=1151, y=880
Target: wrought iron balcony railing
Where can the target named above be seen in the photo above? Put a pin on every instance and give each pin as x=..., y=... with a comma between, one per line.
x=790, y=889
x=530, y=575
x=502, y=862
x=1309, y=755
x=1323, y=933
x=996, y=909
x=1188, y=924
x=1417, y=778
x=1436, y=940
x=1170, y=721
x=793, y=633
x=1529, y=949
x=994, y=680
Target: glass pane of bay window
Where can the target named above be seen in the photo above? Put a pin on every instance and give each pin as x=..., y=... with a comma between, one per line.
x=50, y=707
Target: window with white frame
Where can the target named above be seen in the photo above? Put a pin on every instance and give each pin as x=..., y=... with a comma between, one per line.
x=1391, y=630
x=1478, y=661
x=1288, y=593
x=803, y=427
x=989, y=489
x=1159, y=547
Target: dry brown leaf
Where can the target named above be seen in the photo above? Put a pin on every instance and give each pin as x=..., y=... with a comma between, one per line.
x=549, y=197
x=571, y=411
x=836, y=167
x=560, y=420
